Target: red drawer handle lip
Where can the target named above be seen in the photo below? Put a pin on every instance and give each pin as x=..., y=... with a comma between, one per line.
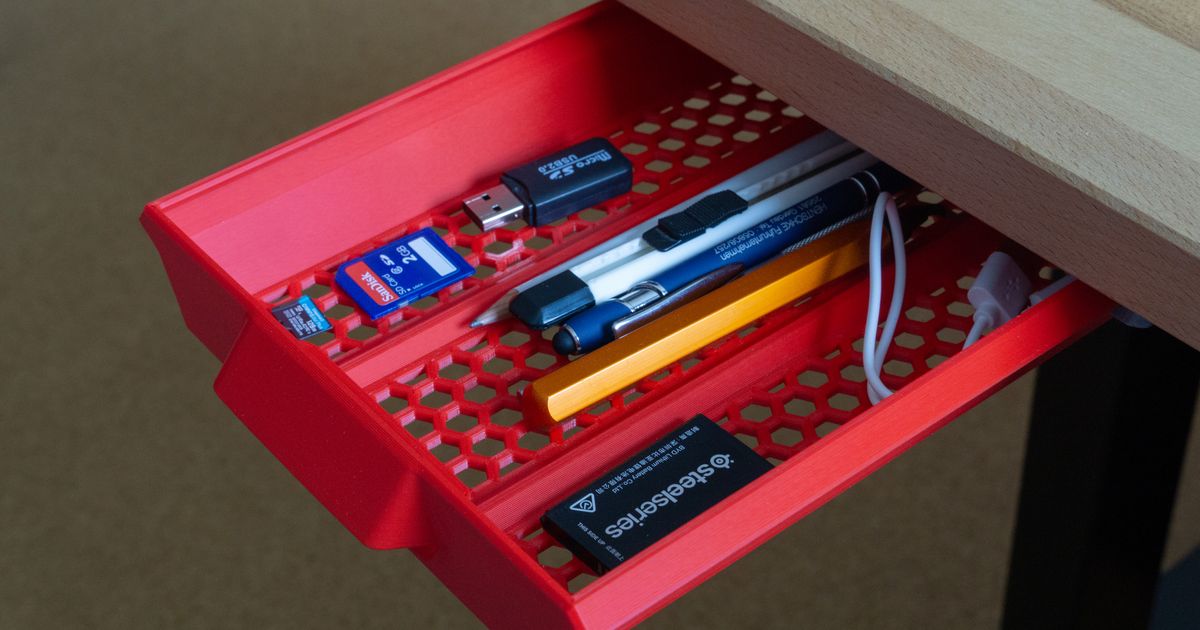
x=802, y=484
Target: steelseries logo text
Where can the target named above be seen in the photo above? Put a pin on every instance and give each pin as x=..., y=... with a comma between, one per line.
x=668, y=495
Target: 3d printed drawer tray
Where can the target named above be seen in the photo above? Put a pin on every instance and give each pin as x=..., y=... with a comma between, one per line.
x=408, y=428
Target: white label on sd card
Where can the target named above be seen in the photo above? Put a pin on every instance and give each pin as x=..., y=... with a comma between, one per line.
x=433, y=257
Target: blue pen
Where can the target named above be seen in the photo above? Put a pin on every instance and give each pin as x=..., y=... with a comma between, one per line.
x=843, y=202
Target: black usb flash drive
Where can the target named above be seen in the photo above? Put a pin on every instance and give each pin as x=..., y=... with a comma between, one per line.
x=552, y=187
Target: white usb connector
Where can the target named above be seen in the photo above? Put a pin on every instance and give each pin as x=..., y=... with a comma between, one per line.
x=999, y=293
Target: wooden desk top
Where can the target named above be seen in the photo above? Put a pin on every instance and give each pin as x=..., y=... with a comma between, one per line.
x=1072, y=126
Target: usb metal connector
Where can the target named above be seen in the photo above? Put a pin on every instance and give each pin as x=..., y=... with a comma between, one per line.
x=494, y=207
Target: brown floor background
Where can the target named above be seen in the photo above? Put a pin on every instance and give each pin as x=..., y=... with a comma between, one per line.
x=131, y=498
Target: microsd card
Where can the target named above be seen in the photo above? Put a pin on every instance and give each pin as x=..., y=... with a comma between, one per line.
x=301, y=317
x=653, y=493
x=403, y=271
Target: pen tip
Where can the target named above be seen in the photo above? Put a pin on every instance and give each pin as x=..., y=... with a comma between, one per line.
x=476, y=324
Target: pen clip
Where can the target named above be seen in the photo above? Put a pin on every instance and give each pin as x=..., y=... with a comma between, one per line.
x=684, y=294
x=694, y=220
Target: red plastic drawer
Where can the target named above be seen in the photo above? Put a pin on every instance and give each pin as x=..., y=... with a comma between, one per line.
x=409, y=429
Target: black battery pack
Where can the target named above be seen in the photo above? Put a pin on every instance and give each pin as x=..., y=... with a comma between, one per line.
x=653, y=493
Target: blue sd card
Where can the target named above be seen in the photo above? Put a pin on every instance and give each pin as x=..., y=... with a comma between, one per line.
x=403, y=271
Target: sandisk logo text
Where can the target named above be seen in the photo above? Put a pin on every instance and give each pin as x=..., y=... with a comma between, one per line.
x=365, y=279
x=668, y=495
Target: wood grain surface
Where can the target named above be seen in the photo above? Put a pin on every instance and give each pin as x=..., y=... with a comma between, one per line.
x=1072, y=126
x=1179, y=19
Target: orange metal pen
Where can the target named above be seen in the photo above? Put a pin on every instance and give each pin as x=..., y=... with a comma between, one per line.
x=615, y=366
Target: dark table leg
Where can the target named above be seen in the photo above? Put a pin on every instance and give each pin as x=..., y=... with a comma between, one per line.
x=1110, y=422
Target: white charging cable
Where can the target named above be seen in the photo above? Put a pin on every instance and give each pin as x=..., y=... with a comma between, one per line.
x=875, y=347
x=999, y=294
